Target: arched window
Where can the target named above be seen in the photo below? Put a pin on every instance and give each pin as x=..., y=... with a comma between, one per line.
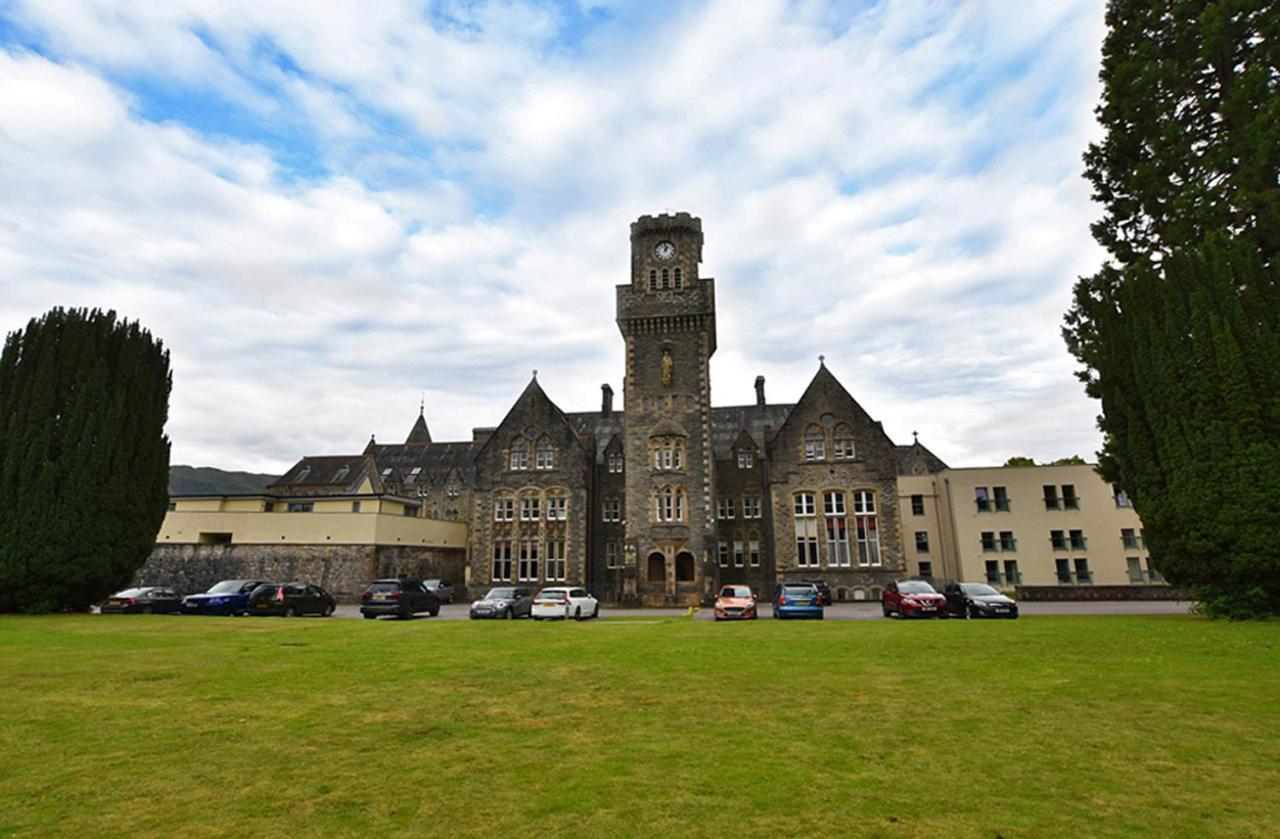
x=653, y=279
x=666, y=278
x=864, y=518
x=806, y=530
x=837, y=527
x=504, y=506
x=545, y=455
x=859, y=594
x=814, y=443
x=557, y=505
x=684, y=567
x=679, y=280
x=530, y=506
x=842, y=594
x=657, y=570
x=668, y=504
x=668, y=453
x=518, y=458
x=842, y=443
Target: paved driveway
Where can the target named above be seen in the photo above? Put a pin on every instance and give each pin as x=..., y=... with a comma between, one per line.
x=852, y=611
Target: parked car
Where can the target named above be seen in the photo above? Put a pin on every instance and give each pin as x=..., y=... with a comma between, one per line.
x=824, y=590
x=503, y=603
x=736, y=603
x=289, y=599
x=401, y=597
x=978, y=600
x=142, y=601
x=442, y=588
x=229, y=597
x=564, y=602
x=913, y=599
x=797, y=600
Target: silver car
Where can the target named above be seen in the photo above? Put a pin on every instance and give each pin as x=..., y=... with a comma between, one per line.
x=503, y=603
x=442, y=589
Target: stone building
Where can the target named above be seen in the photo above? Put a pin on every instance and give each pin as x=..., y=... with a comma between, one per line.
x=665, y=499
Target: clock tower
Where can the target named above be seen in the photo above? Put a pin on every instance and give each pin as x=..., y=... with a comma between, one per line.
x=666, y=314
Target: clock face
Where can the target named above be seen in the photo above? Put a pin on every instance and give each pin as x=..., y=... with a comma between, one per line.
x=665, y=251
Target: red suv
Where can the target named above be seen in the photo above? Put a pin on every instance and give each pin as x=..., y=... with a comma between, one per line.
x=913, y=599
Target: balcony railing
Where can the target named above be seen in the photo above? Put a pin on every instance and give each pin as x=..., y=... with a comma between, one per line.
x=987, y=505
x=1080, y=544
x=1071, y=503
x=1149, y=577
x=1052, y=504
x=1133, y=542
x=1002, y=505
x=998, y=579
x=1075, y=578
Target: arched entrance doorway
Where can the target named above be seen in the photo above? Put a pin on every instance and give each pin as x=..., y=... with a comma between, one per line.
x=656, y=568
x=684, y=567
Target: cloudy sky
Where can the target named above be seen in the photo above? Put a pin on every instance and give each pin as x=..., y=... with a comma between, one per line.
x=328, y=209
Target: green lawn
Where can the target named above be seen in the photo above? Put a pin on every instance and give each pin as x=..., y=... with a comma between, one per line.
x=1152, y=726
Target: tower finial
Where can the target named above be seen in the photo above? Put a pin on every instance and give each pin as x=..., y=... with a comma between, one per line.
x=535, y=374
x=422, y=404
x=822, y=360
x=915, y=436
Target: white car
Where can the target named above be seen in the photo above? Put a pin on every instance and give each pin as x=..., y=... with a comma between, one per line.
x=563, y=603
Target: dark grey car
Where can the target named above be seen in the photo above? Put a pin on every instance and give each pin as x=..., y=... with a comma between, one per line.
x=503, y=602
x=978, y=600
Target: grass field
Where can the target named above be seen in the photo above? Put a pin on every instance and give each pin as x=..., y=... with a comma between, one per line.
x=1084, y=726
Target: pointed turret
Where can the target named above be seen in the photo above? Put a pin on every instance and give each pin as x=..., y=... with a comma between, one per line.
x=419, y=432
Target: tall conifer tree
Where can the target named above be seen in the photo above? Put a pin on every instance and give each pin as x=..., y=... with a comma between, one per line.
x=1180, y=334
x=83, y=457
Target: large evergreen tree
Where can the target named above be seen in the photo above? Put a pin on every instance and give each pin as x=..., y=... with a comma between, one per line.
x=1180, y=334
x=83, y=457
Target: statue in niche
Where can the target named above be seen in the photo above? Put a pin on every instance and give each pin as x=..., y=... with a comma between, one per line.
x=667, y=364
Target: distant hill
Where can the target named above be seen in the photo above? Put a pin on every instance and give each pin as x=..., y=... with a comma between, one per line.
x=205, y=480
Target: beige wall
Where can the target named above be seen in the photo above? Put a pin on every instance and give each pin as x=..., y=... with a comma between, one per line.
x=331, y=522
x=957, y=524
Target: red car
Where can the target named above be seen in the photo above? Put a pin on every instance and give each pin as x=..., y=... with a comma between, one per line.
x=736, y=603
x=913, y=599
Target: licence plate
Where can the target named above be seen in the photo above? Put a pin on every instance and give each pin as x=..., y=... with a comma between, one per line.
x=802, y=602
x=928, y=608
x=379, y=597
x=114, y=602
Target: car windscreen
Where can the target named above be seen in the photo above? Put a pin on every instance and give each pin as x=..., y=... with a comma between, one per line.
x=130, y=592
x=735, y=591
x=227, y=587
x=915, y=587
x=798, y=591
x=979, y=589
x=500, y=594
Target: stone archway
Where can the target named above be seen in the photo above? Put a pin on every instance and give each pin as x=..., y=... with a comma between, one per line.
x=684, y=567
x=656, y=568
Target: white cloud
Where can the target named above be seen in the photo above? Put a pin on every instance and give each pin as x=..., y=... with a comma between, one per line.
x=896, y=187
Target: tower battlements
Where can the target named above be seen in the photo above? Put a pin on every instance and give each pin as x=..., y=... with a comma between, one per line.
x=666, y=222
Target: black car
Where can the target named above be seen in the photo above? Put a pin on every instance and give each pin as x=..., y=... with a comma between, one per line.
x=978, y=600
x=143, y=601
x=503, y=603
x=824, y=591
x=289, y=599
x=403, y=598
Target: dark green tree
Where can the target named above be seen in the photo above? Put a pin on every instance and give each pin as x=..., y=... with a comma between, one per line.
x=1070, y=460
x=1178, y=334
x=1019, y=460
x=84, y=460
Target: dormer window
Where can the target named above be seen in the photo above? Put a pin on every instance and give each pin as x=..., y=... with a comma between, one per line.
x=746, y=460
x=386, y=473
x=302, y=475
x=414, y=473
x=615, y=463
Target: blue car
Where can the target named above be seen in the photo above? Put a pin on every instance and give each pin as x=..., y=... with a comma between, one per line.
x=797, y=600
x=229, y=597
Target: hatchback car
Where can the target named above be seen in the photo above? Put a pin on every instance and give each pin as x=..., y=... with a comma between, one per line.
x=913, y=599
x=978, y=600
x=736, y=603
x=824, y=591
x=403, y=598
x=797, y=600
x=289, y=599
x=564, y=602
x=142, y=601
x=229, y=597
x=503, y=603
x=442, y=588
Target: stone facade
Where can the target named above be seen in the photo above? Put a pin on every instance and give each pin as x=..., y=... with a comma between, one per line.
x=342, y=570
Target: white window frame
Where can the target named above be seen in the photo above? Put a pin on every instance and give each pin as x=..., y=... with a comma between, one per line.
x=504, y=508
x=746, y=460
x=723, y=554
x=557, y=508
x=556, y=562
x=530, y=507
x=753, y=552
x=501, y=568
x=751, y=506
x=519, y=458
x=739, y=554
x=544, y=457
x=527, y=572
x=867, y=528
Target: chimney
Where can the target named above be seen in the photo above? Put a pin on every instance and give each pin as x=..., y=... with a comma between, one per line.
x=606, y=401
x=759, y=391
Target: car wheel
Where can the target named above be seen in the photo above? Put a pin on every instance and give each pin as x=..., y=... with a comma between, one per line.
x=969, y=613
x=290, y=612
x=595, y=612
x=328, y=610
x=577, y=613
x=887, y=613
x=405, y=613
x=435, y=610
x=367, y=616
x=146, y=610
x=508, y=615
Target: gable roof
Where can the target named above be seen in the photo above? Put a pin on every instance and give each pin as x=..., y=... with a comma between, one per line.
x=533, y=397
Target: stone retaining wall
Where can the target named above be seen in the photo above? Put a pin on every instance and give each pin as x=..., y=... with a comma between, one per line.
x=343, y=570
x=1137, y=592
